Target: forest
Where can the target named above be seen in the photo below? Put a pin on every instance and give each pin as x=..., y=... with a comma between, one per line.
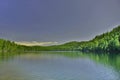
x=106, y=42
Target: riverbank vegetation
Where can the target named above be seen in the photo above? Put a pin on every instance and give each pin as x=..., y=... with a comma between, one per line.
x=106, y=42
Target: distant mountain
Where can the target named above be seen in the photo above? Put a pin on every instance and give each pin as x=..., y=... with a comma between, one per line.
x=106, y=42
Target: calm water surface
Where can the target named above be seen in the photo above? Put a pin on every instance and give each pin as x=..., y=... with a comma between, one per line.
x=59, y=66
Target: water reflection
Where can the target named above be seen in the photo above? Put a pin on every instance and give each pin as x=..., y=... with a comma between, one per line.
x=60, y=66
x=6, y=56
x=108, y=59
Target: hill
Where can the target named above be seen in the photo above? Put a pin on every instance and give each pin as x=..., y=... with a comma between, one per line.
x=107, y=42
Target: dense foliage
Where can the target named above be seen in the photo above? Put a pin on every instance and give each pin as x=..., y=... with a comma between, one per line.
x=6, y=46
x=107, y=42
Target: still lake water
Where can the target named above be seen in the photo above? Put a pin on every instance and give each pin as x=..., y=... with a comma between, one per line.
x=59, y=66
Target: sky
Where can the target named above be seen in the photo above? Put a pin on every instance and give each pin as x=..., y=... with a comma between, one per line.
x=57, y=20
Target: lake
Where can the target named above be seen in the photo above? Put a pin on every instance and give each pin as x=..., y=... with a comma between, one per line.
x=59, y=66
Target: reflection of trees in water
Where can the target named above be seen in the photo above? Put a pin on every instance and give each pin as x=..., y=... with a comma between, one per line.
x=107, y=59
x=4, y=56
x=112, y=60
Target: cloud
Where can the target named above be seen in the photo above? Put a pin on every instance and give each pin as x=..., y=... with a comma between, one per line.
x=35, y=43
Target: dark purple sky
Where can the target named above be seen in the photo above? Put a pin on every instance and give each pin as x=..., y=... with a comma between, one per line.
x=57, y=20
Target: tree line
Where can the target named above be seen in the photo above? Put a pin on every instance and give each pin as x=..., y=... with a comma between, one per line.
x=107, y=42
